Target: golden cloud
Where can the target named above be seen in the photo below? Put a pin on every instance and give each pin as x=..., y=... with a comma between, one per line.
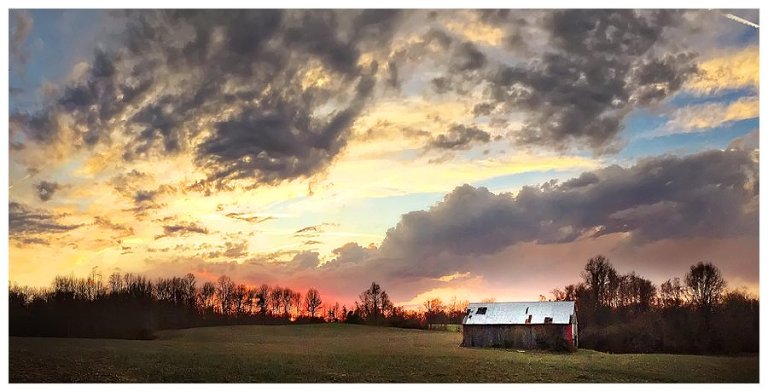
x=701, y=117
x=732, y=70
x=470, y=27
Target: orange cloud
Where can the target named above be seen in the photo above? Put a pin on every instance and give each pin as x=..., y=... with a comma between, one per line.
x=729, y=70
x=701, y=117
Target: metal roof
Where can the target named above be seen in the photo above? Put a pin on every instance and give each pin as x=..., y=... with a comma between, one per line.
x=518, y=312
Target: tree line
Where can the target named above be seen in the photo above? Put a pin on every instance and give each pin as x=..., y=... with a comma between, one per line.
x=628, y=313
x=375, y=308
x=133, y=306
x=616, y=312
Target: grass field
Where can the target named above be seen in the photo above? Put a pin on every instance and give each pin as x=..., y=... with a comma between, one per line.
x=342, y=353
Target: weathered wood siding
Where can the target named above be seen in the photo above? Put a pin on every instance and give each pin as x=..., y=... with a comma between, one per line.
x=533, y=336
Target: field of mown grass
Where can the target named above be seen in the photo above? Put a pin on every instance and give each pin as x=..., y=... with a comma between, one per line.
x=342, y=353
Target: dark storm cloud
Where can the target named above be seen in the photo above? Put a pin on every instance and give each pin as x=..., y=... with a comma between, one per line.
x=304, y=260
x=179, y=229
x=583, y=180
x=483, y=108
x=748, y=142
x=29, y=226
x=440, y=84
x=657, y=78
x=282, y=137
x=351, y=253
x=468, y=58
x=583, y=73
x=459, y=137
x=661, y=198
x=394, y=78
x=237, y=73
x=601, y=65
x=46, y=189
x=142, y=196
x=277, y=142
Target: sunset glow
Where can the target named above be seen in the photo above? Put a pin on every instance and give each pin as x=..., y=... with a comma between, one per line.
x=467, y=154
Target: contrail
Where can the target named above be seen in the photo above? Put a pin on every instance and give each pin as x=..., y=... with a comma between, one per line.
x=740, y=20
x=28, y=176
x=20, y=180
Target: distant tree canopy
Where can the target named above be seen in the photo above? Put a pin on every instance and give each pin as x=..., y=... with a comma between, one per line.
x=628, y=313
x=132, y=306
x=616, y=312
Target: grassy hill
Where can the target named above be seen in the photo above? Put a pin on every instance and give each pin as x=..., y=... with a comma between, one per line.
x=342, y=353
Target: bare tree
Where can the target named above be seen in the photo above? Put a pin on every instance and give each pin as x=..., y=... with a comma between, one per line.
x=296, y=302
x=601, y=279
x=240, y=299
x=93, y=286
x=287, y=301
x=334, y=313
x=456, y=305
x=189, y=285
x=312, y=302
x=115, y=283
x=705, y=285
x=207, y=294
x=276, y=300
x=455, y=310
x=635, y=292
x=224, y=293
x=137, y=286
x=434, y=311
x=671, y=293
x=374, y=303
x=558, y=294
x=262, y=298
x=252, y=300
x=567, y=293
x=386, y=305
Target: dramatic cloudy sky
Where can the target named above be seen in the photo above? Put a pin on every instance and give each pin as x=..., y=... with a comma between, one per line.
x=470, y=153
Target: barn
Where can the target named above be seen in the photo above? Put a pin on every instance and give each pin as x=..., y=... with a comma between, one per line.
x=524, y=325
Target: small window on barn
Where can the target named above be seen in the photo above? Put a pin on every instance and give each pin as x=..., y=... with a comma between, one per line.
x=481, y=310
x=547, y=320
